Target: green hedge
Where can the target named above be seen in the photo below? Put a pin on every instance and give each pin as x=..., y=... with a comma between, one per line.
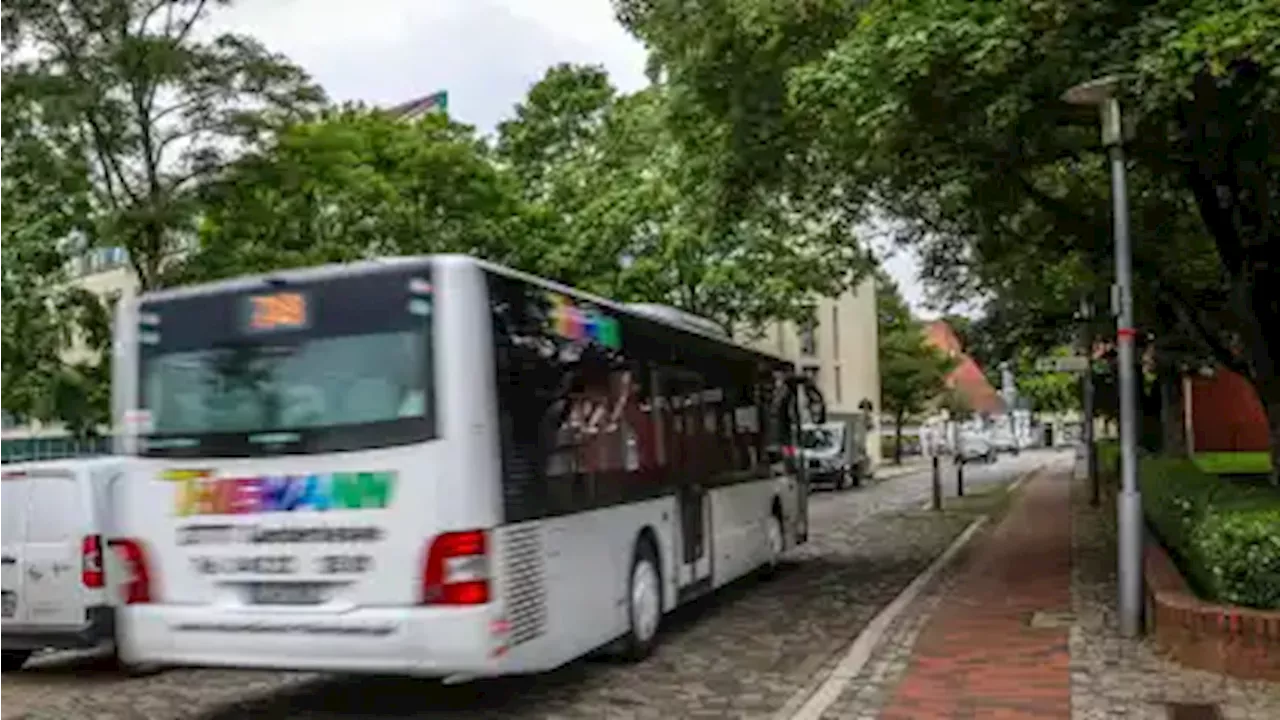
x=1224, y=534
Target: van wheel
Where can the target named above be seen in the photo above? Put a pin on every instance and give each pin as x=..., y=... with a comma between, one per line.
x=644, y=602
x=13, y=660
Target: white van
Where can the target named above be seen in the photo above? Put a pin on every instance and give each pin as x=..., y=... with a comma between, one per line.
x=56, y=521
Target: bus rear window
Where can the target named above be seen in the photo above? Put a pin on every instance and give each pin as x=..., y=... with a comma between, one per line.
x=356, y=374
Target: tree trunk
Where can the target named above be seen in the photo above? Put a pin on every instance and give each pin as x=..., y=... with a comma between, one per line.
x=1273, y=416
x=1173, y=439
x=897, y=439
x=1269, y=395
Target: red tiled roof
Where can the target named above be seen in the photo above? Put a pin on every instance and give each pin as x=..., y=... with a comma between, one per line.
x=967, y=378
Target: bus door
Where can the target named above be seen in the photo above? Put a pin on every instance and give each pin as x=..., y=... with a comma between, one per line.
x=686, y=442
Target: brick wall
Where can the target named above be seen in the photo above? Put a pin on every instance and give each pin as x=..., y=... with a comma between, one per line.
x=1240, y=642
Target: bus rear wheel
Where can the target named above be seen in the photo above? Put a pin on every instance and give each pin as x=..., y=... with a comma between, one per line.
x=776, y=541
x=644, y=602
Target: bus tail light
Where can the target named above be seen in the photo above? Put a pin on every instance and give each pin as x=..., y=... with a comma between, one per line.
x=137, y=589
x=456, y=571
x=91, y=561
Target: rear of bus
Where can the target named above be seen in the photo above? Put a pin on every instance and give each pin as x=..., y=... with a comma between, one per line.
x=316, y=472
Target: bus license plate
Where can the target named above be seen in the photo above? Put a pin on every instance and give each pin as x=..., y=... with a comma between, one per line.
x=10, y=604
x=287, y=593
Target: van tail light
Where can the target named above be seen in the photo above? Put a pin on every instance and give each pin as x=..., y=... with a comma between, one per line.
x=91, y=561
x=137, y=589
x=456, y=571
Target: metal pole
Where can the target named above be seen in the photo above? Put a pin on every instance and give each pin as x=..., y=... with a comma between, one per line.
x=960, y=476
x=1129, y=503
x=1087, y=407
x=937, y=483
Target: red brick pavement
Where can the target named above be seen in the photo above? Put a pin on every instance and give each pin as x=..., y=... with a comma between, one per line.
x=979, y=657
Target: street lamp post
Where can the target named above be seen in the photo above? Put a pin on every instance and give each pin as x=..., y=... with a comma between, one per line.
x=1101, y=94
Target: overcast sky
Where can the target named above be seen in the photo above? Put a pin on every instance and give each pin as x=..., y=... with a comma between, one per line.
x=485, y=53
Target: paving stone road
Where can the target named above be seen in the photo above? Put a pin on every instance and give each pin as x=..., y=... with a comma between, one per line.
x=741, y=653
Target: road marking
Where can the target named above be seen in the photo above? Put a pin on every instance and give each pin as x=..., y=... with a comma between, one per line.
x=806, y=705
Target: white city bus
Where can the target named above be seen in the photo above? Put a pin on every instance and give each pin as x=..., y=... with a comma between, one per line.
x=434, y=466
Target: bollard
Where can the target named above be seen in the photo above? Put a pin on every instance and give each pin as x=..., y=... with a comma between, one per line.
x=937, y=484
x=960, y=476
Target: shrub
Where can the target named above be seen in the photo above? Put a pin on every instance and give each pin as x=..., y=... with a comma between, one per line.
x=1239, y=553
x=1224, y=535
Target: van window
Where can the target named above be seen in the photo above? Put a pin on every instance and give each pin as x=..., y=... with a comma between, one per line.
x=54, y=510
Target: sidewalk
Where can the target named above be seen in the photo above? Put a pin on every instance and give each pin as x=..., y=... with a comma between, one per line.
x=996, y=648
x=1021, y=625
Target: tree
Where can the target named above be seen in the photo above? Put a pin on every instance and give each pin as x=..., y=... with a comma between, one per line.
x=912, y=372
x=637, y=212
x=131, y=93
x=356, y=184
x=1048, y=392
x=116, y=113
x=44, y=200
x=947, y=115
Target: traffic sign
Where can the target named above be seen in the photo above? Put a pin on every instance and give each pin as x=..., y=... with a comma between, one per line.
x=1068, y=364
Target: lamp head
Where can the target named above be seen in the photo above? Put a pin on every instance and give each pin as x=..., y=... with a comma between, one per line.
x=1093, y=92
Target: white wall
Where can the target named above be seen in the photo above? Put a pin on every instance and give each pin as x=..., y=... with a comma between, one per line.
x=847, y=354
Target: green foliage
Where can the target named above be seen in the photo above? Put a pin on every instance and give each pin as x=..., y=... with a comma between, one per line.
x=135, y=93
x=1048, y=392
x=638, y=216
x=947, y=115
x=1225, y=535
x=116, y=114
x=357, y=184
x=44, y=203
x=912, y=372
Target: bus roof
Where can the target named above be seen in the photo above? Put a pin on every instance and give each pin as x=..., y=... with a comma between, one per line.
x=333, y=270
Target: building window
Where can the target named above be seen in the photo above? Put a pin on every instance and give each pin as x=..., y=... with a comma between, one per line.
x=808, y=339
x=835, y=378
x=835, y=332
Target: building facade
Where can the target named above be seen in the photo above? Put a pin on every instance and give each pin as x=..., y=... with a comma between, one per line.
x=840, y=351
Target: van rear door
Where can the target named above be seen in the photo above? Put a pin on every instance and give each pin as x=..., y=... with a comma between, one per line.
x=57, y=524
x=15, y=488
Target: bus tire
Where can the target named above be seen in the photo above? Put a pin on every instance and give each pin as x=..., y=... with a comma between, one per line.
x=777, y=543
x=135, y=670
x=644, y=602
x=13, y=660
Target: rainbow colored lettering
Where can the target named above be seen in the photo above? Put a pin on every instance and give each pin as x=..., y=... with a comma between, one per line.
x=200, y=493
x=574, y=323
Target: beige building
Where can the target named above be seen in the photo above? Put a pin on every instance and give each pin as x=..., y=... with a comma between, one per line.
x=841, y=351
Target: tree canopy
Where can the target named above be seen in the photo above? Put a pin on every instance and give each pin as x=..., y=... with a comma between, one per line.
x=948, y=115
x=358, y=183
x=635, y=212
x=127, y=125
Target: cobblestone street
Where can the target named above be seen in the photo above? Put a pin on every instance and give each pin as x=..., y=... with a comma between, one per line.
x=744, y=652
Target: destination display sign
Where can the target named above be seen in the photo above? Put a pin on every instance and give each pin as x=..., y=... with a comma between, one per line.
x=277, y=311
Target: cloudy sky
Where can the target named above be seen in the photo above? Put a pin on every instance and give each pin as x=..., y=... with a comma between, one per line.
x=485, y=53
